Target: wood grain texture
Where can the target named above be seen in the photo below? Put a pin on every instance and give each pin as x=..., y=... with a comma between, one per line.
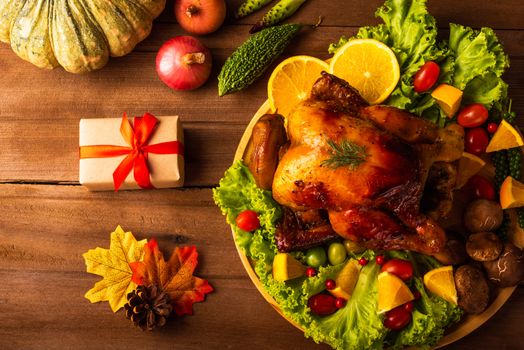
x=46, y=225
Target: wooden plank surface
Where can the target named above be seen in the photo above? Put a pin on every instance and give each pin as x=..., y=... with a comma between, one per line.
x=48, y=221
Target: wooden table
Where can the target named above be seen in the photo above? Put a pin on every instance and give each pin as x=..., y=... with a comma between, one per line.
x=48, y=220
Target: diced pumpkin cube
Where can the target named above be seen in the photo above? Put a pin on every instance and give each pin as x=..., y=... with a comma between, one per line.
x=286, y=267
x=448, y=98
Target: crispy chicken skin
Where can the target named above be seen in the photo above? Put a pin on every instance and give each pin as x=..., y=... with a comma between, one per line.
x=376, y=203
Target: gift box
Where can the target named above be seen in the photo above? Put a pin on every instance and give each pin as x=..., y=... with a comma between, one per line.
x=120, y=153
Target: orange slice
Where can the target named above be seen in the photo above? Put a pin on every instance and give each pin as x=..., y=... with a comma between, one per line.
x=511, y=193
x=505, y=137
x=441, y=282
x=392, y=292
x=291, y=82
x=468, y=165
x=346, y=280
x=369, y=66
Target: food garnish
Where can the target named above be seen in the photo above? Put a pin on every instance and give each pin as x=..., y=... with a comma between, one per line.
x=476, y=140
x=468, y=165
x=248, y=221
x=483, y=215
x=200, y=16
x=369, y=66
x=472, y=289
x=286, y=267
x=392, y=292
x=346, y=280
x=505, y=137
x=508, y=269
x=448, y=98
x=441, y=282
x=336, y=253
x=316, y=257
x=472, y=115
x=282, y=10
x=291, y=81
x=254, y=56
x=401, y=268
x=345, y=153
x=183, y=63
x=511, y=193
x=426, y=77
x=480, y=187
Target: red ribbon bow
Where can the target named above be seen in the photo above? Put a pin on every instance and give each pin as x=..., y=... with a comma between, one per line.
x=137, y=137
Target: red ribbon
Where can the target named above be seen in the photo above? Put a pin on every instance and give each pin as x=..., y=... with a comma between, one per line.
x=137, y=137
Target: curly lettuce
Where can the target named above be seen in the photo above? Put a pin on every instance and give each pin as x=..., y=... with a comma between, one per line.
x=471, y=60
x=356, y=326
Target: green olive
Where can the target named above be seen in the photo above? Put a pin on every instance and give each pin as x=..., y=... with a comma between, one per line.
x=336, y=253
x=316, y=257
x=353, y=247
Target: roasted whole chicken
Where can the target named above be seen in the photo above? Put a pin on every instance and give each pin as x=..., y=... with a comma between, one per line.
x=359, y=171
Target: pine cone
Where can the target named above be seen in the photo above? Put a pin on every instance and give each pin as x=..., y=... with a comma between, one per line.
x=148, y=307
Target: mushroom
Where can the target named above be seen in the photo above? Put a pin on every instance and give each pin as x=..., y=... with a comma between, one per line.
x=472, y=289
x=483, y=215
x=508, y=269
x=484, y=246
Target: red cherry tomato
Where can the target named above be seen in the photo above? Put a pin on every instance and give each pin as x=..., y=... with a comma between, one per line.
x=481, y=187
x=397, y=318
x=476, y=140
x=492, y=128
x=472, y=115
x=330, y=284
x=248, y=221
x=363, y=261
x=340, y=303
x=311, y=272
x=400, y=268
x=409, y=306
x=380, y=259
x=426, y=77
x=322, y=304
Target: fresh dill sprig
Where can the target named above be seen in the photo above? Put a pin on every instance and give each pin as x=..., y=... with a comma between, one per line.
x=346, y=153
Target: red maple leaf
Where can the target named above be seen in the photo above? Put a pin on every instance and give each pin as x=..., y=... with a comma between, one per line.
x=174, y=277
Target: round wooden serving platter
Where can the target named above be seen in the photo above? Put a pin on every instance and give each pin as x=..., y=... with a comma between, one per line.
x=468, y=324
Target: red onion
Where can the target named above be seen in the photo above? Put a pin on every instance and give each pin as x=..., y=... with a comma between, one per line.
x=183, y=63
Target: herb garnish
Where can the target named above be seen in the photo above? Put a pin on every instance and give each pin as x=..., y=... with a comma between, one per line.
x=347, y=153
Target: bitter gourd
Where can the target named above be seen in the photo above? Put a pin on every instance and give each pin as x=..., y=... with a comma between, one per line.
x=253, y=57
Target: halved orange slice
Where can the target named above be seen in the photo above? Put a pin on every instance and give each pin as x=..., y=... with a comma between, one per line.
x=291, y=82
x=369, y=66
x=468, y=165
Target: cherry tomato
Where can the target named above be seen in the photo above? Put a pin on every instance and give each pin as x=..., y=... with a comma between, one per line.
x=472, y=115
x=400, y=268
x=380, y=259
x=476, y=140
x=316, y=257
x=322, y=304
x=409, y=306
x=330, y=284
x=340, y=303
x=311, y=272
x=363, y=261
x=248, y=221
x=336, y=253
x=492, y=128
x=397, y=318
x=426, y=76
x=481, y=187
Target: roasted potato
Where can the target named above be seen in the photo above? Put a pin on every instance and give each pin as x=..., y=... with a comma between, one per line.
x=262, y=152
x=472, y=289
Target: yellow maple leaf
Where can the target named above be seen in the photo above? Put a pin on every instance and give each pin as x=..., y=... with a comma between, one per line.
x=113, y=265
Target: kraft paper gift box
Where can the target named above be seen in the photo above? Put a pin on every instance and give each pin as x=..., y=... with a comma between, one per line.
x=156, y=160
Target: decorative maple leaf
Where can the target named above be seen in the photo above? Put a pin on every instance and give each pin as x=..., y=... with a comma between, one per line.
x=174, y=277
x=114, y=265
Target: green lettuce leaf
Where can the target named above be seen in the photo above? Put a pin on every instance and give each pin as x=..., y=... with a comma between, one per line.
x=358, y=325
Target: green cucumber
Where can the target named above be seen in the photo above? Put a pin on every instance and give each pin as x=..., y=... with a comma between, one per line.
x=250, y=6
x=253, y=57
x=282, y=10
